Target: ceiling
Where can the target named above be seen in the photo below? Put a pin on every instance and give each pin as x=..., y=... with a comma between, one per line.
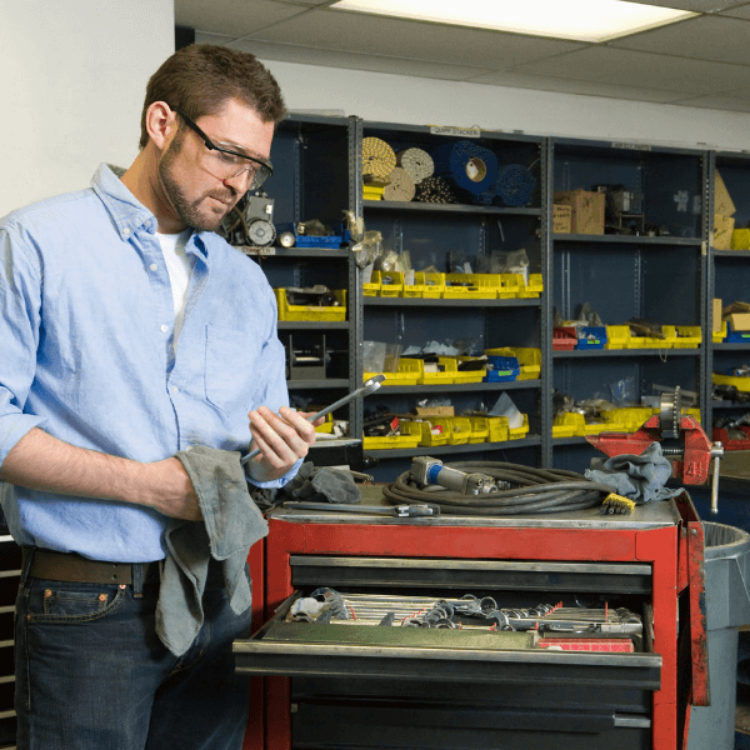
x=700, y=62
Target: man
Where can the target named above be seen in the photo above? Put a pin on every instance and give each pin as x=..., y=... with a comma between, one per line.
x=131, y=332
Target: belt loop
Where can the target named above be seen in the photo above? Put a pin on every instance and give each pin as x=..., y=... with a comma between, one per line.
x=27, y=557
x=137, y=570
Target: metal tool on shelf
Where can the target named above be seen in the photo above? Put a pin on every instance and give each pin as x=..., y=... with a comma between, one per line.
x=370, y=386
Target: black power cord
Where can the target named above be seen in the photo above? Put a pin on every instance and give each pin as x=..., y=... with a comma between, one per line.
x=533, y=491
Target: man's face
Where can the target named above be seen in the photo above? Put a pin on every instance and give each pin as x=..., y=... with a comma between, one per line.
x=196, y=196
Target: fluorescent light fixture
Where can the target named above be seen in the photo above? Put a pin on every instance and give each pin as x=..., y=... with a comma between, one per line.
x=579, y=20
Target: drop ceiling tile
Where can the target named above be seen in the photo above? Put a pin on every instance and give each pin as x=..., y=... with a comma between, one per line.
x=236, y=17
x=641, y=70
x=704, y=38
x=582, y=88
x=718, y=101
x=388, y=37
x=352, y=61
x=740, y=11
x=697, y=6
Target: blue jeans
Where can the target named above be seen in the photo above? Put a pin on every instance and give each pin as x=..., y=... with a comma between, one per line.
x=92, y=674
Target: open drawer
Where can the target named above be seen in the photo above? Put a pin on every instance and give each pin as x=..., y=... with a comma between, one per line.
x=359, y=685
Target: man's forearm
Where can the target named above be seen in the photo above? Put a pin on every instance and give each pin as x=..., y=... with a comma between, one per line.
x=41, y=462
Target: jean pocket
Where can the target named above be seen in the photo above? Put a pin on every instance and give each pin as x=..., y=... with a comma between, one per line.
x=50, y=601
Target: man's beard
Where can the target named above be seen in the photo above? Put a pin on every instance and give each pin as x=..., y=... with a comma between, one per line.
x=189, y=211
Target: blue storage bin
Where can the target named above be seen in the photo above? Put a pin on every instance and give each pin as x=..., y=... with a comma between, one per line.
x=502, y=369
x=737, y=337
x=592, y=337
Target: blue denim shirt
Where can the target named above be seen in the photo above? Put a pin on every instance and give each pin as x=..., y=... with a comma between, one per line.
x=87, y=354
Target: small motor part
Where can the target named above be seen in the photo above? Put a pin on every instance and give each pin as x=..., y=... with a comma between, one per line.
x=261, y=232
x=286, y=239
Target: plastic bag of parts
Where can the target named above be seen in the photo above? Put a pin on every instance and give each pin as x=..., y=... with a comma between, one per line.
x=623, y=392
x=378, y=356
x=516, y=262
x=368, y=249
x=504, y=407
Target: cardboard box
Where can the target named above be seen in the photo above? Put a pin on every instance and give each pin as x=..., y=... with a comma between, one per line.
x=562, y=219
x=739, y=321
x=716, y=315
x=587, y=210
x=740, y=239
x=437, y=411
x=723, y=228
x=722, y=201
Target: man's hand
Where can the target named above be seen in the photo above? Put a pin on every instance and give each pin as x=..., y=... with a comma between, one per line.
x=283, y=439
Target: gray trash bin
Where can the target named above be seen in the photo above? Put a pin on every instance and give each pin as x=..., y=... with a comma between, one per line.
x=727, y=607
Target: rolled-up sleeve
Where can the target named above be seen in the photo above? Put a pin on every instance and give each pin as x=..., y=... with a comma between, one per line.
x=20, y=306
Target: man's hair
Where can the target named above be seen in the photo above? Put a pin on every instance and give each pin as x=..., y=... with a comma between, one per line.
x=199, y=78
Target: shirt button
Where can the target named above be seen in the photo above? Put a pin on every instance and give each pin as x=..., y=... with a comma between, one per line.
x=153, y=266
x=126, y=232
x=175, y=389
x=164, y=328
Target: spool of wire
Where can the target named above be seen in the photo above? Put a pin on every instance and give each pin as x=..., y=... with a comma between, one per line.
x=417, y=162
x=515, y=185
x=434, y=190
x=400, y=186
x=378, y=158
x=471, y=167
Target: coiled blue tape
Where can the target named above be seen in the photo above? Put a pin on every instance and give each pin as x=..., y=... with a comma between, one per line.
x=472, y=167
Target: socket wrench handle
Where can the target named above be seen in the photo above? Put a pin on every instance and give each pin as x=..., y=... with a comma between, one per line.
x=369, y=387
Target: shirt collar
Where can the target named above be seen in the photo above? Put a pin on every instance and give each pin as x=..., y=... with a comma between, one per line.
x=127, y=212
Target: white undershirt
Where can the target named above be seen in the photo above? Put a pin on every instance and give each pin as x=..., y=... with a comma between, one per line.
x=179, y=266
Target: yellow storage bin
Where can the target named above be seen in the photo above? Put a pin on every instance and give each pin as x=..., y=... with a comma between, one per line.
x=472, y=286
x=516, y=433
x=390, y=442
x=427, y=378
x=568, y=424
x=740, y=239
x=618, y=337
x=372, y=192
x=372, y=287
x=627, y=419
x=434, y=284
x=425, y=431
x=460, y=430
x=683, y=337
x=408, y=373
x=742, y=384
x=512, y=286
x=480, y=430
x=533, y=289
x=462, y=376
x=310, y=312
x=719, y=336
x=530, y=359
x=391, y=283
x=498, y=426
x=597, y=427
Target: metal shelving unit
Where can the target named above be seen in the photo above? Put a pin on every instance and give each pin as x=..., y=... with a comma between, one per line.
x=659, y=274
x=430, y=232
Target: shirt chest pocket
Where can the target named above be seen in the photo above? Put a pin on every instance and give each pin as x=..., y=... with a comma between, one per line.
x=232, y=368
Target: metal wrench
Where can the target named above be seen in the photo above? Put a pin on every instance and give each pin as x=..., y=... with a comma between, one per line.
x=369, y=387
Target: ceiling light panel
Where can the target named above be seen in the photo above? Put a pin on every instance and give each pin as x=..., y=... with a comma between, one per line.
x=579, y=20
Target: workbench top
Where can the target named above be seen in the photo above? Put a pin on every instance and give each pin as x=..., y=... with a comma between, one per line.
x=654, y=515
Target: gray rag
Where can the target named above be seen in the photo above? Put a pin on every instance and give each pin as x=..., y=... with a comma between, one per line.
x=640, y=478
x=321, y=484
x=231, y=524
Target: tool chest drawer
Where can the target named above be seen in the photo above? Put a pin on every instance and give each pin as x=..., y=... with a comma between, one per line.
x=478, y=655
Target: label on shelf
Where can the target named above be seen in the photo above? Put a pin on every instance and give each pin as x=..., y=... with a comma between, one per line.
x=460, y=132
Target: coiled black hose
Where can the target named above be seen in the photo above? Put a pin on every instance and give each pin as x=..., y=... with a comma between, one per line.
x=533, y=491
